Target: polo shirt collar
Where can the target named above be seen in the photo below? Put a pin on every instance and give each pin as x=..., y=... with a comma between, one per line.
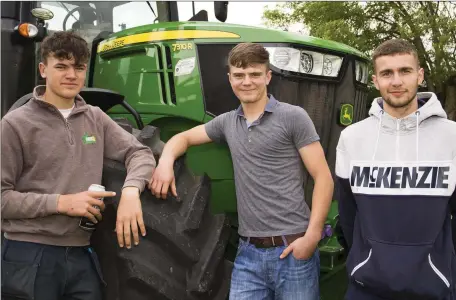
x=270, y=106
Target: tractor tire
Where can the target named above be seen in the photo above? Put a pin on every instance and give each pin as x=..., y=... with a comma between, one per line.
x=182, y=255
x=21, y=101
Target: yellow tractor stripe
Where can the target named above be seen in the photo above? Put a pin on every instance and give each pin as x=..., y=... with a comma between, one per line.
x=162, y=36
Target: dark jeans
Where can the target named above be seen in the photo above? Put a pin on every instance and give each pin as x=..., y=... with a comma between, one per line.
x=44, y=272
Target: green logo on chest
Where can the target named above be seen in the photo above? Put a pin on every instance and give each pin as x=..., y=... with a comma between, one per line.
x=88, y=139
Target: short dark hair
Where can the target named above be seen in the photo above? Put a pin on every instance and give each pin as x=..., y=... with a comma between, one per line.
x=247, y=54
x=65, y=45
x=393, y=47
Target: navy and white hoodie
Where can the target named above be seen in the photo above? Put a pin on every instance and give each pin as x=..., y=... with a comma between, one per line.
x=395, y=179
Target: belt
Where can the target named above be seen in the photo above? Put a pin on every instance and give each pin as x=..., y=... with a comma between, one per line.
x=272, y=241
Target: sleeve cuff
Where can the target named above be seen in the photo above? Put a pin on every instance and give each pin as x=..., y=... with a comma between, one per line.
x=51, y=204
x=140, y=184
x=308, y=141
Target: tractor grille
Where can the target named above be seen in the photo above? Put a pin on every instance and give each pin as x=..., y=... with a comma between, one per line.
x=361, y=105
x=317, y=98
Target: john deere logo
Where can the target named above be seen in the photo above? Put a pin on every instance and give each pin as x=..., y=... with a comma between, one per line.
x=346, y=114
x=88, y=139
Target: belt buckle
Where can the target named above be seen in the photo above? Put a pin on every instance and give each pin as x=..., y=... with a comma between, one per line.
x=272, y=239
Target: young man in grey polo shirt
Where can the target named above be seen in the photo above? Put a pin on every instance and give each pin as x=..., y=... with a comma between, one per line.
x=271, y=143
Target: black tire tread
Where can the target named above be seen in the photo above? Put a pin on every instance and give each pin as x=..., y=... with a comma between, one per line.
x=182, y=255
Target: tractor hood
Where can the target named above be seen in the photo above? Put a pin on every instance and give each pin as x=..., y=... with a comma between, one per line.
x=202, y=32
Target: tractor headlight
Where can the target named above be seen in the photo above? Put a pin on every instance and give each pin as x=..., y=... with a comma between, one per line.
x=285, y=58
x=305, y=62
x=361, y=72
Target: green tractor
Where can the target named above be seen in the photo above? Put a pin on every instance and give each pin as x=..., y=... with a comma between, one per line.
x=167, y=76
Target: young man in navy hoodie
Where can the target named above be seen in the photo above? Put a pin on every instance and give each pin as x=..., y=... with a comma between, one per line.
x=395, y=182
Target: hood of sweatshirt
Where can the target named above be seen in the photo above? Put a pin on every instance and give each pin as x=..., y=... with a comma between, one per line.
x=428, y=107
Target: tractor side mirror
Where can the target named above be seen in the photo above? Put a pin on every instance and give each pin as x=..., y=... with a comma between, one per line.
x=221, y=10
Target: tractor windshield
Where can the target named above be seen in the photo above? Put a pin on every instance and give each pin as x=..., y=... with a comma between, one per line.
x=92, y=17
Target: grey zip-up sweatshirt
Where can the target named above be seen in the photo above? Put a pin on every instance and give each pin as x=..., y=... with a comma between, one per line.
x=45, y=155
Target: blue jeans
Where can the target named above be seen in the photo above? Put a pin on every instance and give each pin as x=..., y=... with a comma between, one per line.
x=259, y=274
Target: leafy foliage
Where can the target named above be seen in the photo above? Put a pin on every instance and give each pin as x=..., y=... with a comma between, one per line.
x=430, y=26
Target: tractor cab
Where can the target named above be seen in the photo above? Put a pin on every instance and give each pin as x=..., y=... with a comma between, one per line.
x=163, y=65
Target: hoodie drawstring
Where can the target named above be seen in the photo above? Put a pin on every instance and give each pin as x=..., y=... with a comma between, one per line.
x=417, y=113
x=379, y=129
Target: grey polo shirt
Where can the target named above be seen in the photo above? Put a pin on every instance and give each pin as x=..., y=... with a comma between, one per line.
x=268, y=169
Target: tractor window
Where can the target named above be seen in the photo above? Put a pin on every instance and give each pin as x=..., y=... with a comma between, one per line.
x=90, y=18
x=133, y=14
x=239, y=12
x=87, y=19
x=60, y=10
x=186, y=10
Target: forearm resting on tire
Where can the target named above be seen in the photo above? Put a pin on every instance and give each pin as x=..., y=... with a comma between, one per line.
x=179, y=143
x=163, y=176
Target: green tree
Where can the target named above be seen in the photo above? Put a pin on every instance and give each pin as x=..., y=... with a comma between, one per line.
x=430, y=26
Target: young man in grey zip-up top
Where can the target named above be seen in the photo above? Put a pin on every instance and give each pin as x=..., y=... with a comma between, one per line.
x=52, y=151
x=395, y=184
